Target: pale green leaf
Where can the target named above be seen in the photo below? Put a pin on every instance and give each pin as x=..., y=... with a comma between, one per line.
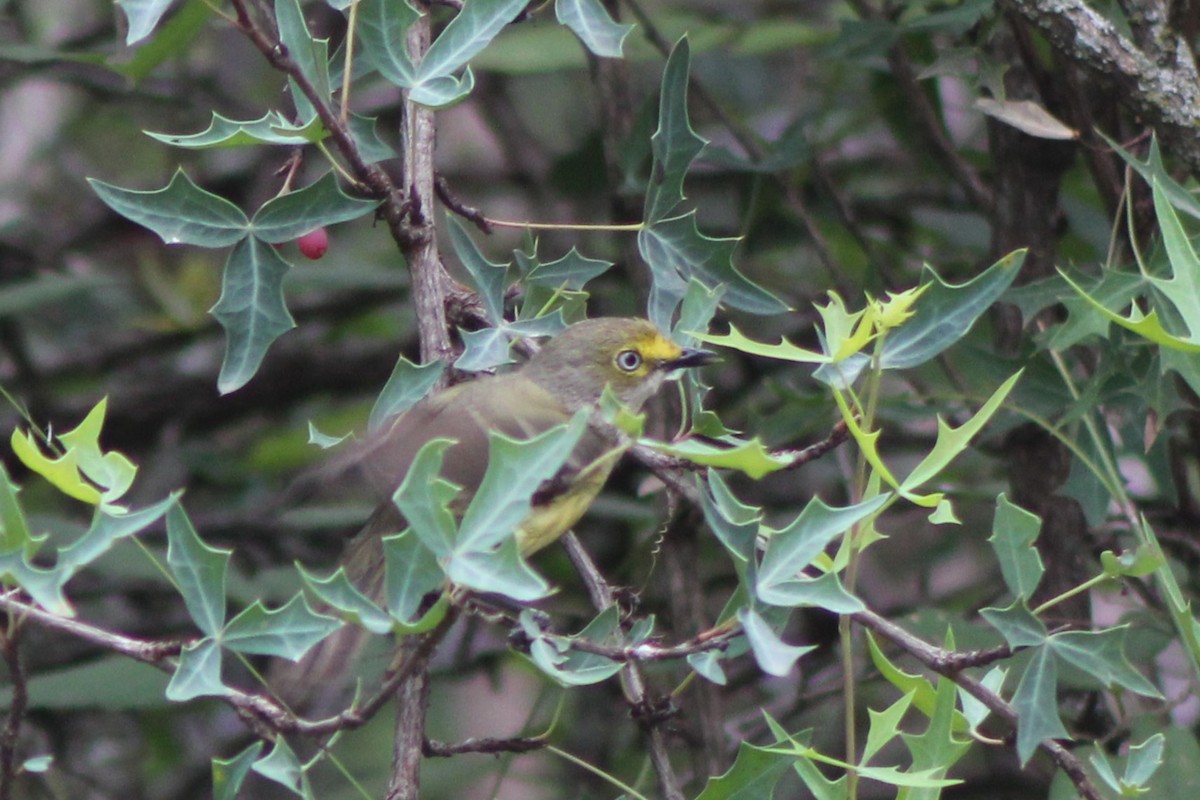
x=554, y=656
x=143, y=17
x=1102, y=654
x=251, y=309
x=344, y=599
x=311, y=55
x=885, y=726
x=407, y=384
x=773, y=655
x=753, y=775
x=674, y=145
x=199, y=572
x=469, y=32
x=383, y=28
x=500, y=570
x=14, y=530
x=411, y=571
x=283, y=767
x=1183, y=288
x=571, y=271
x=198, y=673
x=228, y=774
x=749, y=457
x=44, y=586
x=294, y=214
x=106, y=530
x=1016, y=624
x=1036, y=704
x=1013, y=533
x=424, y=498
x=794, y=547
x=734, y=523
x=287, y=632
x=1148, y=326
x=271, y=128
x=180, y=213
x=589, y=20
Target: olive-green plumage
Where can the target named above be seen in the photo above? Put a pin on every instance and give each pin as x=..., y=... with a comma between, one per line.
x=569, y=373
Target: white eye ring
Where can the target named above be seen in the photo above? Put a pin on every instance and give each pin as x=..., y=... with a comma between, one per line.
x=628, y=360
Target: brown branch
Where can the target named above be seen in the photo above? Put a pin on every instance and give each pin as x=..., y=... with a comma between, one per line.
x=712, y=639
x=946, y=664
x=482, y=744
x=1165, y=90
x=633, y=683
x=10, y=648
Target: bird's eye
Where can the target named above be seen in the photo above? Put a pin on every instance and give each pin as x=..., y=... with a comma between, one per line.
x=629, y=360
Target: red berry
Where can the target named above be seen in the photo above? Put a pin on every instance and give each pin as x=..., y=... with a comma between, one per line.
x=314, y=243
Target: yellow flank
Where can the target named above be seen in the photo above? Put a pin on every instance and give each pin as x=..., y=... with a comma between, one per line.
x=546, y=523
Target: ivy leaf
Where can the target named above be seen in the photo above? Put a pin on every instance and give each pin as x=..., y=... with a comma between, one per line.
x=1018, y=626
x=824, y=591
x=501, y=570
x=43, y=585
x=1102, y=654
x=1185, y=266
x=515, y=470
x=884, y=726
x=944, y=314
x=774, y=656
x=107, y=529
x=228, y=774
x=310, y=54
x=383, y=28
x=337, y=592
x=180, y=213
x=471, y=30
x=554, y=656
x=407, y=384
x=283, y=767
x=734, y=523
x=1013, y=533
x=491, y=347
x=749, y=457
x=294, y=214
x=674, y=145
x=143, y=17
x=589, y=20
x=271, y=128
x=288, y=632
x=936, y=749
x=1148, y=326
x=424, y=498
x=198, y=673
x=251, y=309
x=677, y=252
x=571, y=271
x=754, y=773
x=411, y=571
x=794, y=547
x=199, y=572
x=489, y=278
x=1036, y=704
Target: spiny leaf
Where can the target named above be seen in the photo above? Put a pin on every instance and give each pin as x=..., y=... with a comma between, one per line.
x=407, y=384
x=288, y=632
x=251, y=309
x=198, y=673
x=180, y=213
x=1013, y=532
x=199, y=571
x=589, y=20
x=750, y=457
x=294, y=214
x=1036, y=704
x=674, y=145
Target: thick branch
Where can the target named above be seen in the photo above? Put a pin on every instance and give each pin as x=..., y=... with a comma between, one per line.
x=1166, y=92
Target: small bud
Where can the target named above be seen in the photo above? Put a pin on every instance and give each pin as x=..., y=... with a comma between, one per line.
x=314, y=243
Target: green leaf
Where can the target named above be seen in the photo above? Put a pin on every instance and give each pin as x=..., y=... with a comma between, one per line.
x=515, y=470
x=944, y=314
x=1153, y=171
x=180, y=213
x=407, y=384
x=734, y=523
x=1148, y=326
x=105, y=531
x=469, y=32
x=1016, y=624
x=383, y=28
x=324, y=440
x=951, y=442
x=14, y=530
x=501, y=570
x=824, y=591
x=491, y=347
x=143, y=16
x=1144, y=761
x=753, y=776
x=424, y=498
x=1102, y=654
x=1036, y=704
x=489, y=278
x=677, y=252
x=310, y=55
x=411, y=571
x=282, y=766
x=228, y=774
x=198, y=673
x=571, y=271
x=919, y=688
x=294, y=214
x=749, y=457
x=271, y=128
x=674, y=145
x=1013, y=533
x=784, y=350
x=793, y=548
x=589, y=20
x=554, y=656
x=773, y=655
x=112, y=472
x=173, y=38
x=288, y=632
x=199, y=571
x=44, y=586
x=885, y=726
x=251, y=309
x=937, y=749
x=1184, y=285
x=337, y=592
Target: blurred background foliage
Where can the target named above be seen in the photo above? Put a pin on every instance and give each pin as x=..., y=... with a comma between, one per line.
x=846, y=150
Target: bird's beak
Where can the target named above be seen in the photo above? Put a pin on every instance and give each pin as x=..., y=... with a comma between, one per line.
x=691, y=357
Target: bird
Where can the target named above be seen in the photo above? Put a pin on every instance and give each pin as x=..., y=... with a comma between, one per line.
x=630, y=357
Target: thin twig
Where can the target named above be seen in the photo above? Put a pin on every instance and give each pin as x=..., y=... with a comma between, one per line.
x=482, y=744
x=10, y=648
